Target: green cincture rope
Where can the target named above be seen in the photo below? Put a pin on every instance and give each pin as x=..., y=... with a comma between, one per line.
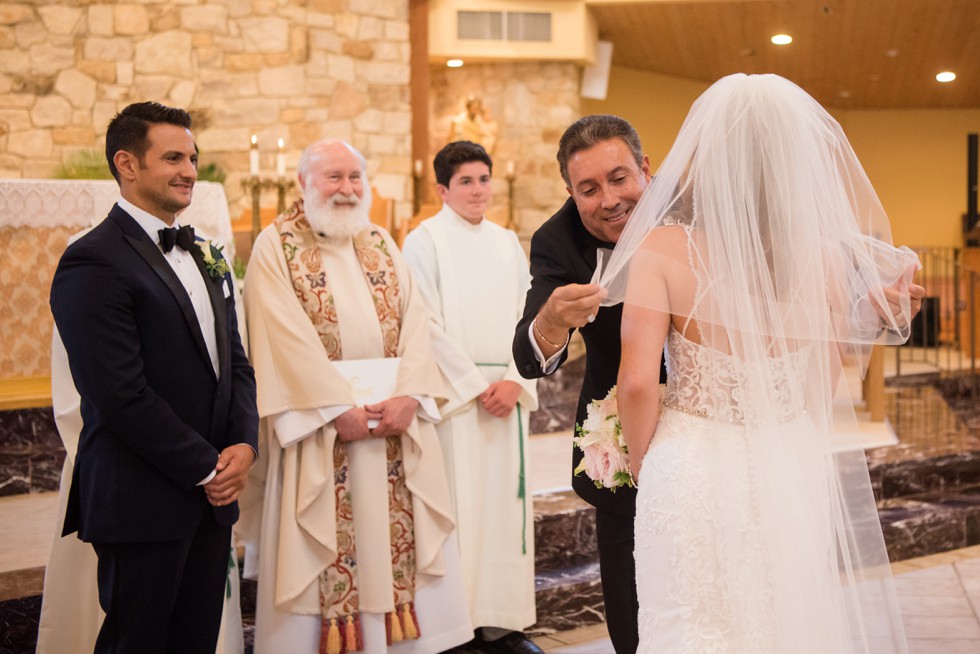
x=521, y=483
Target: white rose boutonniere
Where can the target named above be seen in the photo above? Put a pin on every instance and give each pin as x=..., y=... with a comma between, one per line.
x=214, y=262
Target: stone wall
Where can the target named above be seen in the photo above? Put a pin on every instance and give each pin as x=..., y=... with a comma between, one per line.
x=532, y=104
x=296, y=69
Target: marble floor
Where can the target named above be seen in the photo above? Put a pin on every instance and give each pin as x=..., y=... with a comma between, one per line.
x=939, y=596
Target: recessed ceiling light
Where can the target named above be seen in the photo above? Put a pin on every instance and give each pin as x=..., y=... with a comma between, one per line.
x=781, y=39
x=945, y=76
x=891, y=53
x=844, y=94
x=454, y=63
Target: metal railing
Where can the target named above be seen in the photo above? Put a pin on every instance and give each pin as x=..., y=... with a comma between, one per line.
x=944, y=334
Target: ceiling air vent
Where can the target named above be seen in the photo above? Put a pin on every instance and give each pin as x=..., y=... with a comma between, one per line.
x=503, y=26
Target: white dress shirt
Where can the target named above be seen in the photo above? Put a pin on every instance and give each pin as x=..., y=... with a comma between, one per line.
x=550, y=364
x=188, y=273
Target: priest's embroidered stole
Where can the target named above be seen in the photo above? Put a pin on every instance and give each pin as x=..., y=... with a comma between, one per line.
x=338, y=583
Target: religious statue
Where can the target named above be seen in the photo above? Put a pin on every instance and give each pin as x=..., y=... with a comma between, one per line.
x=476, y=124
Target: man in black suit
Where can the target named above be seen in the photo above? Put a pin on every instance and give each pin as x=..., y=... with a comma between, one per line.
x=605, y=172
x=147, y=315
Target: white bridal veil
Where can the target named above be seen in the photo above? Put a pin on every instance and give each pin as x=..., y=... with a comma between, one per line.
x=788, y=251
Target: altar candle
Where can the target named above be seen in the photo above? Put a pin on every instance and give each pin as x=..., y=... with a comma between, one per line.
x=281, y=160
x=253, y=157
x=418, y=168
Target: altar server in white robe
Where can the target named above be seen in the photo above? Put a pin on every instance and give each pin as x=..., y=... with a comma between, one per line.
x=474, y=276
x=70, y=613
x=354, y=528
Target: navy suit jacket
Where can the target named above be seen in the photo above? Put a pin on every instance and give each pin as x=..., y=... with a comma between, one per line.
x=155, y=416
x=564, y=252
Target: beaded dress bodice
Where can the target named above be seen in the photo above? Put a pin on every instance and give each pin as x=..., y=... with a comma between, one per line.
x=704, y=382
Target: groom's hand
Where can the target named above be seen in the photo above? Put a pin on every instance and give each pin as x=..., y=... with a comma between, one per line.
x=233, y=466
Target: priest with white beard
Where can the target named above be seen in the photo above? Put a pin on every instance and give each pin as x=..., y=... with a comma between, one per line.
x=351, y=530
x=474, y=276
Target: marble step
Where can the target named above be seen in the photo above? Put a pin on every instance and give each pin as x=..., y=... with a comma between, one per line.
x=567, y=586
x=930, y=523
x=947, y=474
x=568, y=598
x=564, y=532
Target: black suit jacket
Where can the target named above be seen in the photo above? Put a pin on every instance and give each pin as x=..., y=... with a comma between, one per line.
x=564, y=252
x=154, y=415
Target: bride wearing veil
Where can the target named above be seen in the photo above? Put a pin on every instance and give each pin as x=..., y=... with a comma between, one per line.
x=759, y=263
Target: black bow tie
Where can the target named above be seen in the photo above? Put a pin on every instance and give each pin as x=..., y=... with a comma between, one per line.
x=182, y=237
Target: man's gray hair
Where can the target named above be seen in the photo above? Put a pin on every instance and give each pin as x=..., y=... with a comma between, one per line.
x=591, y=130
x=305, y=167
x=309, y=156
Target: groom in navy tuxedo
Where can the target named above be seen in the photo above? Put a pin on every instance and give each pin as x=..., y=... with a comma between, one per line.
x=147, y=315
x=605, y=172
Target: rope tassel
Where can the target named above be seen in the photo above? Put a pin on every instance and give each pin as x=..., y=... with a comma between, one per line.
x=393, y=627
x=331, y=644
x=353, y=639
x=410, y=622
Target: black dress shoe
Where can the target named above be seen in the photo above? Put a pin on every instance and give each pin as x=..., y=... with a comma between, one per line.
x=466, y=648
x=513, y=643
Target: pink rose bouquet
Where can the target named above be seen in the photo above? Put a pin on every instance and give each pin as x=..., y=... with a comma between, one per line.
x=600, y=437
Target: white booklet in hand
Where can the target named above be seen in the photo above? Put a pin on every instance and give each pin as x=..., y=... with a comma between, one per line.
x=371, y=380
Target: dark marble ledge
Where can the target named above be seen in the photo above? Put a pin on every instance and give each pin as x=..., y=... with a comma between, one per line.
x=31, y=453
x=558, y=398
x=941, y=475
x=564, y=532
x=567, y=599
x=551, y=579
x=18, y=625
x=916, y=528
x=549, y=505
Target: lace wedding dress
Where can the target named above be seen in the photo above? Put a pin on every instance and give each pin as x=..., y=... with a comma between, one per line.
x=735, y=543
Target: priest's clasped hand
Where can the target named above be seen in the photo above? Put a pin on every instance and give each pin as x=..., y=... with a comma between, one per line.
x=352, y=425
x=396, y=415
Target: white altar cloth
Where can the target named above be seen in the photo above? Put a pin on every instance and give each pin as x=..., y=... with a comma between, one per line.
x=81, y=203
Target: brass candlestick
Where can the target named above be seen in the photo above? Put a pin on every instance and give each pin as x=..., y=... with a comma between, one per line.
x=282, y=186
x=254, y=185
x=416, y=187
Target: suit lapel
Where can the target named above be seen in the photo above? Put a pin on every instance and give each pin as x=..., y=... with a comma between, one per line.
x=150, y=253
